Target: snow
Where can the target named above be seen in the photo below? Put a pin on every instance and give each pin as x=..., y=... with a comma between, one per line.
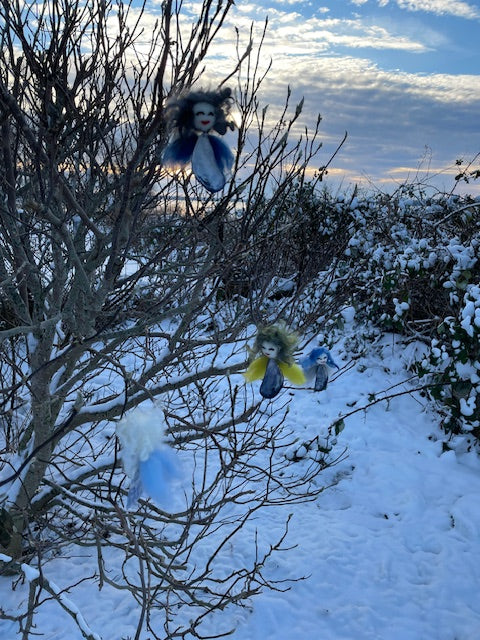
x=467, y=406
x=30, y=573
x=390, y=550
x=68, y=604
x=348, y=314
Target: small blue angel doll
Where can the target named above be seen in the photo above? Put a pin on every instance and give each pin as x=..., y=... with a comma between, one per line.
x=191, y=119
x=316, y=365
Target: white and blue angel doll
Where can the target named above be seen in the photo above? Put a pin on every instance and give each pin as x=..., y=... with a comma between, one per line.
x=193, y=120
x=316, y=367
x=147, y=459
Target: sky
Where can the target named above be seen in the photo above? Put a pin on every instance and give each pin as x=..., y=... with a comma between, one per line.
x=401, y=77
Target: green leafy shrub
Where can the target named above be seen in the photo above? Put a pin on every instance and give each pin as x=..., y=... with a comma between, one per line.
x=453, y=363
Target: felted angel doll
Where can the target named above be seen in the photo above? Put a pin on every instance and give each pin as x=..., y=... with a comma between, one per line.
x=192, y=119
x=316, y=366
x=273, y=361
x=147, y=459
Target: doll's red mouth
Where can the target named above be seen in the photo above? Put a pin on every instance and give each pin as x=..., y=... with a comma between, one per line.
x=205, y=121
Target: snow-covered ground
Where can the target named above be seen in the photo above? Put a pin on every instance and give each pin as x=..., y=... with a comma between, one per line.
x=393, y=550
x=390, y=551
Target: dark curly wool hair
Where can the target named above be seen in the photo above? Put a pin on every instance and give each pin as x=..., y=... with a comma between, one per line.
x=179, y=110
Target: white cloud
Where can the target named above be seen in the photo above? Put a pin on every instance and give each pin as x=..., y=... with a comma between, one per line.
x=293, y=2
x=390, y=115
x=293, y=34
x=442, y=7
x=350, y=75
x=303, y=49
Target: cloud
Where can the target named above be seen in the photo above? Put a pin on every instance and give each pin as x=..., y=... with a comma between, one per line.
x=391, y=115
x=360, y=73
x=291, y=34
x=388, y=113
x=305, y=53
x=442, y=7
x=355, y=34
x=293, y=2
x=457, y=8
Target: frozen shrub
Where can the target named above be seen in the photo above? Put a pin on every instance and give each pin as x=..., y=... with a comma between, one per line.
x=408, y=263
x=454, y=365
x=421, y=279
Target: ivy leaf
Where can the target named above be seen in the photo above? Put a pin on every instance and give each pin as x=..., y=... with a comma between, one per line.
x=339, y=426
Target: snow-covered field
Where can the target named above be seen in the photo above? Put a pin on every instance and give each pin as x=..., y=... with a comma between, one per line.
x=389, y=551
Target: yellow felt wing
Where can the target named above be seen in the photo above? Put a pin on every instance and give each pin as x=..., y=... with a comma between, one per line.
x=256, y=370
x=293, y=372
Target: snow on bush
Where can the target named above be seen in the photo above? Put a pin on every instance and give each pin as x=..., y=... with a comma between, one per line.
x=421, y=263
x=411, y=265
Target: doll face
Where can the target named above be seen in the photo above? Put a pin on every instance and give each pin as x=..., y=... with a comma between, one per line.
x=322, y=359
x=203, y=116
x=269, y=349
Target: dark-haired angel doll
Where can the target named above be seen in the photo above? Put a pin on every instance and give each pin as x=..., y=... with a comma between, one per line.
x=273, y=360
x=192, y=118
x=316, y=365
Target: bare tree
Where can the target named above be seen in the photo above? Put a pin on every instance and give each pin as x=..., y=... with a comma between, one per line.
x=119, y=285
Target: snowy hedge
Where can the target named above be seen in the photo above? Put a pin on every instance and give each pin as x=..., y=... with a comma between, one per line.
x=407, y=263
x=420, y=277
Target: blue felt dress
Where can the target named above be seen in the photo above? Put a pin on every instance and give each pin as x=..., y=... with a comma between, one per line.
x=210, y=157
